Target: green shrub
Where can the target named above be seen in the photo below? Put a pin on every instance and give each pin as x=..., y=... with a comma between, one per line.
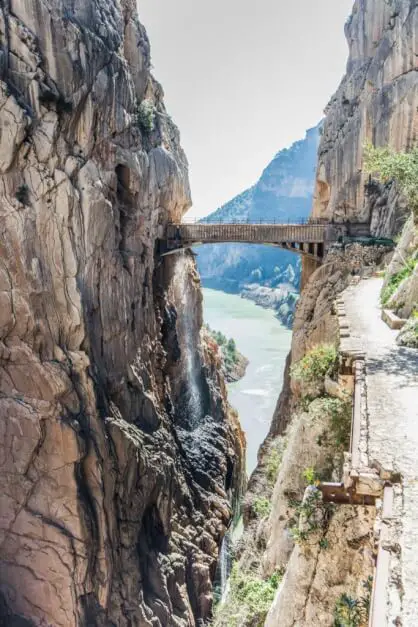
x=350, y=612
x=145, y=116
x=273, y=463
x=262, y=507
x=249, y=599
x=347, y=612
x=309, y=475
x=340, y=413
x=227, y=349
x=396, y=279
x=316, y=516
x=316, y=364
x=402, y=167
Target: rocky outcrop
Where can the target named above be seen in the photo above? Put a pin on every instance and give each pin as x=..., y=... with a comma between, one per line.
x=376, y=102
x=283, y=298
x=115, y=492
x=230, y=362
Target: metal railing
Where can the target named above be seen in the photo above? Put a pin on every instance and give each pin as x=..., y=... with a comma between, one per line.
x=246, y=232
x=274, y=221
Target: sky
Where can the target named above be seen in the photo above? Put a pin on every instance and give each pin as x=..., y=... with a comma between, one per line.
x=242, y=80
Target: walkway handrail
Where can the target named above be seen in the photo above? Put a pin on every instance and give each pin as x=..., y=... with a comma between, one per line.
x=255, y=221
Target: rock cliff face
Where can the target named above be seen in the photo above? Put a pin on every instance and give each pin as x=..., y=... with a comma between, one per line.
x=116, y=488
x=326, y=564
x=376, y=102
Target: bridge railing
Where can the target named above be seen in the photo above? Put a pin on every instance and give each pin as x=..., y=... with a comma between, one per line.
x=275, y=221
x=245, y=232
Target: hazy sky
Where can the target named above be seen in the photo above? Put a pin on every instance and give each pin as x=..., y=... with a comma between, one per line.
x=242, y=80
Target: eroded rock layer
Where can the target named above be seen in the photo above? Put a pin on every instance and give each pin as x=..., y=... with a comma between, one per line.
x=115, y=491
x=376, y=102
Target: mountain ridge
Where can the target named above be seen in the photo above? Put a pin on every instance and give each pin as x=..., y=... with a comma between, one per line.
x=284, y=191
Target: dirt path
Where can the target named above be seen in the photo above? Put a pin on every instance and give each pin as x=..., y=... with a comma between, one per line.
x=392, y=397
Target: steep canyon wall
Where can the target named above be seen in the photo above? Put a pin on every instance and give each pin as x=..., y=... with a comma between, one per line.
x=113, y=505
x=376, y=102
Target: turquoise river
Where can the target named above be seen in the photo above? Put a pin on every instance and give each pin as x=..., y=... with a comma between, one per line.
x=265, y=342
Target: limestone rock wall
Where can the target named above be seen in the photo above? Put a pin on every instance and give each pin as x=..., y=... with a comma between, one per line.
x=109, y=512
x=376, y=102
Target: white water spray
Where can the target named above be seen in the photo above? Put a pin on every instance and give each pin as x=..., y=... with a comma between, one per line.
x=185, y=325
x=223, y=568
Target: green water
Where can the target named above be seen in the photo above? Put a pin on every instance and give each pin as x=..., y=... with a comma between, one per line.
x=265, y=342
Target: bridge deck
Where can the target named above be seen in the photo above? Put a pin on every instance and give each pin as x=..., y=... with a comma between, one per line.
x=253, y=233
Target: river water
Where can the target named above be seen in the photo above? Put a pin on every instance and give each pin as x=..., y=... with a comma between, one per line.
x=265, y=342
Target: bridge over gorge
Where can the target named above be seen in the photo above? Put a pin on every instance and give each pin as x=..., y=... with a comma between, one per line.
x=309, y=238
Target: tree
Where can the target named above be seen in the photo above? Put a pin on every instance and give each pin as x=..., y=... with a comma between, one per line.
x=231, y=346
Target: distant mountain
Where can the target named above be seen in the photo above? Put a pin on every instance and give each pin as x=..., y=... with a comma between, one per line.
x=269, y=276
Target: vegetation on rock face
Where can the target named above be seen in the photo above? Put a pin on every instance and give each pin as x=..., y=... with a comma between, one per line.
x=339, y=412
x=312, y=515
x=316, y=365
x=249, y=596
x=350, y=612
x=274, y=461
x=396, y=279
x=262, y=507
x=145, y=116
x=402, y=167
x=310, y=477
x=233, y=362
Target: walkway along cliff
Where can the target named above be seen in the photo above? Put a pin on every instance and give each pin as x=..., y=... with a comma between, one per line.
x=119, y=460
x=323, y=561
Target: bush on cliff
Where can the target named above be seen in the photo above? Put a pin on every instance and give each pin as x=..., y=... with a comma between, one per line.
x=229, y=353
x=145, y=116
x=339, y=412
x=396, y=279
x=401, y=167
x=249, y=599
x=262, y=507
x=316, y=365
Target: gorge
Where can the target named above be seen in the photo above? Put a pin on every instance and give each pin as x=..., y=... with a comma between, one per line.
x=122, y=461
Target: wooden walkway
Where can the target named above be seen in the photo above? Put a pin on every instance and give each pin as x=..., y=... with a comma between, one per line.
x=307, y=239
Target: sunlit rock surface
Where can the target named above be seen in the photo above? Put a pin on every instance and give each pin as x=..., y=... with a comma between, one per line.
x=112, y=506
x=376, y=102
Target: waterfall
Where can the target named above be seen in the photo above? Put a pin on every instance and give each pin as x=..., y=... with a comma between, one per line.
x=186, y=324
x=223, y=567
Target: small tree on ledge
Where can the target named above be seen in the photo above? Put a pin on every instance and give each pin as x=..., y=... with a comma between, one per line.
x=387, y=165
